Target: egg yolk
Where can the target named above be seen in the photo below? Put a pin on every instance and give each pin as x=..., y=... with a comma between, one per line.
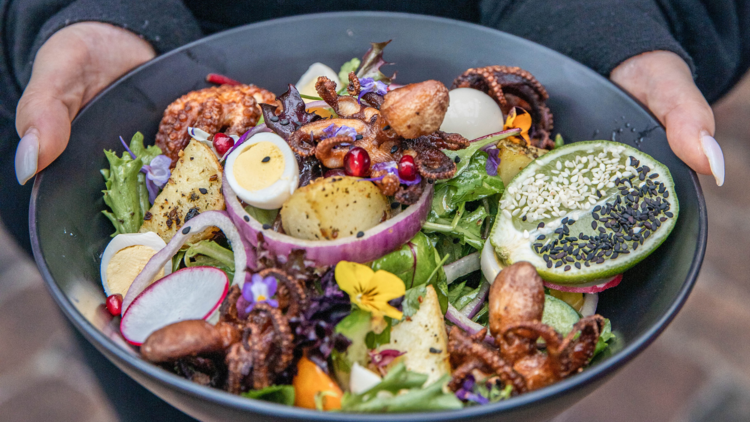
x=125, y=266
x=259, y=166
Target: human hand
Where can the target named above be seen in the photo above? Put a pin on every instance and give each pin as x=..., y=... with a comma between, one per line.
x=70, y=68
x=662, y=81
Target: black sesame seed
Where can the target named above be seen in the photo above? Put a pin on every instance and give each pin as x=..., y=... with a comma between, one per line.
x=541, y=225
x=669, y=214
x=434, y=350
x=549, y=264
x=646, y=234
x=593, y=225
x=653, y=175
x=358, y=137
x=578, y=265
x=274, y=118
x=203, y=190
x=538, y=245
x=265, y=159
x=597, y=208
x=564, y=220
x=394, y=149
x=615, y=255
x=360, y=234
x=569, y=259
x=567, y=268
x=386, y=127
x=395, y=204
x=457, y=159
x=602, y=230
x=186, y=230
x=587, y=264
x=541, y=237
x=523, y=218
x=266, y=226
x=558, y=264
x=571, y=222
x=599, y=194
x=666, y=194
x=284, y=122
x=642, y=176
x=246, y=218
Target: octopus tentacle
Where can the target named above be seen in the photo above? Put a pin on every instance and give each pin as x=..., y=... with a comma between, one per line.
x=354, y=87
x=514, y=87
x=331, y=151
x=389, y=184
x=298, y=299
x=233, y=109
x=434, y=164
x=462, y=345
x=464, y=370
x=408, y=195
x=576, y=350
x=284, y=338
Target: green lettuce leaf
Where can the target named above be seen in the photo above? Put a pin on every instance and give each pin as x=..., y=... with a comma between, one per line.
x=350, y=66
x=126, y=194
x=211, y=254
x=417, y=263
x=282, y=394
x=418, y=397
x=605, y=338
x=410, y=305
x=261, y=215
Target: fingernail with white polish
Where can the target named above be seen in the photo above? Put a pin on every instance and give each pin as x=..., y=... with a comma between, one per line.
x=27, y=156
x=715, y=156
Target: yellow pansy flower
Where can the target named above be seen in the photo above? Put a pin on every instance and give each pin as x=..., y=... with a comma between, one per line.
x=521, y=119
x=370, y=290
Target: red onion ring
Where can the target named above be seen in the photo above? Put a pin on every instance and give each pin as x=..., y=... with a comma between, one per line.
x=455, y=316
x=376, y=242
x=244, y=255
x=462, y=267
x=473, y=307
x=595, y=287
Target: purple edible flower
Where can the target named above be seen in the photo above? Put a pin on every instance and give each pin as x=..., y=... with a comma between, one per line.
x=466, y=392
x=392, y=168
x=371, y=85
x=260, y=290
x=493, y=161
x=334, y=130
x=157, y=175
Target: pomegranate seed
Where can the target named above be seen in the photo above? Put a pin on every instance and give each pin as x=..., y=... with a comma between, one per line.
x=215, y=78
x=114, y=304
x=357, y=162
x=222, y=143
x=406, y=168
x=335, y=173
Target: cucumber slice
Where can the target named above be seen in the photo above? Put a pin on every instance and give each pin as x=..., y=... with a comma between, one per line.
x=559, y=315
x=574, y=214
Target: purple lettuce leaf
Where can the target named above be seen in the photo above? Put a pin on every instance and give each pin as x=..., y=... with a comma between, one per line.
x=373, y=61
x=292, y=117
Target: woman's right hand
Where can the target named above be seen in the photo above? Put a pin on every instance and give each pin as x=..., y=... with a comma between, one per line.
x=70, y=68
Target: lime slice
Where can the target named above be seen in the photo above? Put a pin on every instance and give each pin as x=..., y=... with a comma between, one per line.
x=585, y=211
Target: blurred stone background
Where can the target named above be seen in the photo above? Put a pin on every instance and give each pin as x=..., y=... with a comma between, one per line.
x=698, y=370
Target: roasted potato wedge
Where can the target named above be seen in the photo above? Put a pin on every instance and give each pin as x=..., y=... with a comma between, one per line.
x=334, y=207
x=514, y=157
x=424, y=339
x=194, y=187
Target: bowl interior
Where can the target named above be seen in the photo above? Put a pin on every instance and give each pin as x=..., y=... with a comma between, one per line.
x=69, y=232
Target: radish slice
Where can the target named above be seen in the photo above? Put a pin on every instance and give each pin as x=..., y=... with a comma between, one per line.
x=595, y=286
x=376, y=242
x=244, y=255
x=190, y=293
x=590, y=300
x=462, y=267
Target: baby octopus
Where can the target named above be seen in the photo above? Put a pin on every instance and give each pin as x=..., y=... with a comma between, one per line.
x=407, y=122
x=226, y=108
x=515, y=309
x=251, y=348
x=514, y=87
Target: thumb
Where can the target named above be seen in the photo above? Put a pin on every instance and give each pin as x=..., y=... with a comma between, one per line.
x=69, y=69
x=663, y=82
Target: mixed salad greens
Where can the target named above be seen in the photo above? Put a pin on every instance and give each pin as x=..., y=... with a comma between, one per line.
x=220, y=276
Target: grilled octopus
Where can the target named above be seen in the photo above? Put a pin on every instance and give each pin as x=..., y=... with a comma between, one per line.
x=516, y=304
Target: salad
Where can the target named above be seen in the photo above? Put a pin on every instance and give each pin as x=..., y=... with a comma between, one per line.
x=356, y=245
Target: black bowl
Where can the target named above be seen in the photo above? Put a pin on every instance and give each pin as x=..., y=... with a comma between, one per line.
x=69, y=232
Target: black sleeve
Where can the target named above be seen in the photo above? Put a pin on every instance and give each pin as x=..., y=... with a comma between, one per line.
x=708, y=35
